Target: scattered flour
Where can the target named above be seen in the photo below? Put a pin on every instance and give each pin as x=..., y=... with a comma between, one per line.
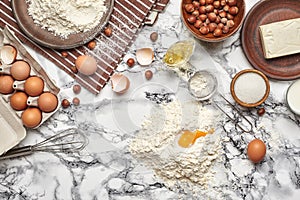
x=66, y=17
x=188, y=169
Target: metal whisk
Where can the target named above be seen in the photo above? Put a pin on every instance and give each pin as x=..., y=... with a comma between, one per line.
x=69, y=140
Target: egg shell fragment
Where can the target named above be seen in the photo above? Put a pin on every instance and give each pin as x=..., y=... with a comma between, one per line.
x=144, y=56
x=8, y=54
x=119, y=83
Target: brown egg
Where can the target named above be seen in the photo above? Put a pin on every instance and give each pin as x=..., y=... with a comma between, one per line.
x=31, y=117
x=86, y=65
x=6, y=84
x=256, y=150
x=18, y=101
x=47, y=102
x=34, y=86
x=20, y=70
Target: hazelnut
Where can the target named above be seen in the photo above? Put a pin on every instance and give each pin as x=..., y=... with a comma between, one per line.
x=220, y=26
x=74, y=69
x=229, y=16
x=130, y=62
x=207, y=21
x=148, y=74
x=212, y=27
x=192, y=19
x=222, y=14
x=189, y=8
x=91, y=45
x=209, y=1
x=202, y=2
x=64, y=54
x=217, y=4
x=225, y=29
x=153, y=36
x=196, y=13
x=202, y=17
x=224, y=20
x=196, y=4
x=217, y=32
x=223, y=2
x=218, y=20
x=233, y=10
x=108, y=31
x=76, y=101
x=198, y=23
x=204, y=30
x=212, y=17
x=216, y=11
x=202, y=10
x=209, y=8
x=65, y=103
x=76, y=89
x=232, y=2
x=226, y=8
x=261, y=111
x=230, y=23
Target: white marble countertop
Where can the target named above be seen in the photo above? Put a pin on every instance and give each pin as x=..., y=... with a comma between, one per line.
x=105, y=169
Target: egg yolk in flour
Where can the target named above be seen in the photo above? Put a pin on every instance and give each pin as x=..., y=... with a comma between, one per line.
x=188, y=138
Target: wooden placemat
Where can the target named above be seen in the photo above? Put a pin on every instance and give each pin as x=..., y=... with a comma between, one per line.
x=126, y=20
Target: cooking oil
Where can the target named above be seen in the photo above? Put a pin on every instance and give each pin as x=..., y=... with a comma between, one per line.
x=179, y=53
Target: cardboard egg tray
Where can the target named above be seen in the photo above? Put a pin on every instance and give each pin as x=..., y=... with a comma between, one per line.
x=12, y=130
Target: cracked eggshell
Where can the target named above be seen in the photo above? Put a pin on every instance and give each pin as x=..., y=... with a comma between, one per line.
x=144, y=56
x=8, y=54
x=119, y=83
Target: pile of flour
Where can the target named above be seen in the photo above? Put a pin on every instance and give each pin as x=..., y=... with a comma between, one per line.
x=185, y=169
x=66, y=17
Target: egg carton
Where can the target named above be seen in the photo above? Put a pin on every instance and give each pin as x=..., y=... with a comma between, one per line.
x=12, y=130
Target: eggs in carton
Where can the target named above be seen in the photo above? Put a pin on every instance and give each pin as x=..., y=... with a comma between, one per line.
x=28, y=97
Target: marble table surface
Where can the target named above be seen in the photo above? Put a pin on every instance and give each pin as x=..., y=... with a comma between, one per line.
x=105, y=169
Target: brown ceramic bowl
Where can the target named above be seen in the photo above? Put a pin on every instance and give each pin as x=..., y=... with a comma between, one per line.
x=237, y=19
x=250, y=84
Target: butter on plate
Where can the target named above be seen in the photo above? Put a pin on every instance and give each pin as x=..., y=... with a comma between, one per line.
x=280, y=38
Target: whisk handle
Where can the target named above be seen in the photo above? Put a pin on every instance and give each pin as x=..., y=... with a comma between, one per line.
x=13, y=153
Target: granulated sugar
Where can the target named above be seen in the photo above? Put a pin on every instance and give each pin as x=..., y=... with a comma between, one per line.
x=66, y=17
x=186, y=169
x=250, y=87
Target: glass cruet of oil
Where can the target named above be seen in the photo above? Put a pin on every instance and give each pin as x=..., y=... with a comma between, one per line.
x=178, y=55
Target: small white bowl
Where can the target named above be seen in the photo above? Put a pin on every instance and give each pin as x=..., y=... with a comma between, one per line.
x=293, y=97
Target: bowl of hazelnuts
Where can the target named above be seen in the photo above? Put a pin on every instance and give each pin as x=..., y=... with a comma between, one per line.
x=213, y=20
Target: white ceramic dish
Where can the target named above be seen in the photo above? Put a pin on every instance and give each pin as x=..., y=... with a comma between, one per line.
x=293, y=97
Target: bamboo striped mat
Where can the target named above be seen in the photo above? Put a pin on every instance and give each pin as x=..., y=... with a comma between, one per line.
x=126, y=20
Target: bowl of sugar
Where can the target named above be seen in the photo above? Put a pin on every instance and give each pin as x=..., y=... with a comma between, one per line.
x=250, y=88
x=293, y=97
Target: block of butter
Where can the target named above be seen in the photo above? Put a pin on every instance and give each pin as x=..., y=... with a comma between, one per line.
x=280, y=38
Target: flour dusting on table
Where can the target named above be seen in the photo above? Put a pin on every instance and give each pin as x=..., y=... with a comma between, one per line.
x=66, y=17
x=188, y=169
